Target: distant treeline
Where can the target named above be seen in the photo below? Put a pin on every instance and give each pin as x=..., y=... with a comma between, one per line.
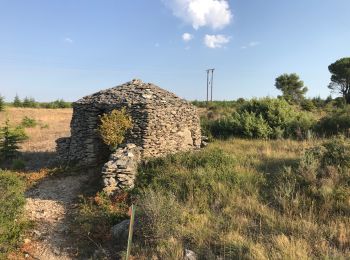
x=307, y=104
x=32, y=103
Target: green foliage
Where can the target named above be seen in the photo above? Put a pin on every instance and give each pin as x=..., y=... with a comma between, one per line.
x=340, y=79
x=97, y=214
x=59, y=103
x=29, y=102
x=2, y=103
x=292, y=87
x=17, y=101
x=114, y=126
x=307, y=105
x=336, y=122
x=28, y=122
x=321, y=181
x=11, y=207
x=10, y=138
x=262, y=118
x=220, y=205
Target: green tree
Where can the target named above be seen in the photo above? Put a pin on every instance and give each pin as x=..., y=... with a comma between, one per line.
x=29, y=102
x=10, y=138
x=340, y=79
x=17, y=101
x=2, y=103
x=293, y=89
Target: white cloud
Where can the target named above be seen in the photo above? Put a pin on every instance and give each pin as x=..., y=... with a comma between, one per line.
x=187, y=37
x=215, y=41
x=68, y=40
x=212, y=13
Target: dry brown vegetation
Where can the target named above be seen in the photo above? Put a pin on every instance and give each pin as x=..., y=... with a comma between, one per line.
x=52, y=124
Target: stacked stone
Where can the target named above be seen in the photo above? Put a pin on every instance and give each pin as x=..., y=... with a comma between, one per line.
x=162, y=123
x=62, y=149
x=120, y=171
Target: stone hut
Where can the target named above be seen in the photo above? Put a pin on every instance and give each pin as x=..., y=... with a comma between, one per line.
x=162, y=123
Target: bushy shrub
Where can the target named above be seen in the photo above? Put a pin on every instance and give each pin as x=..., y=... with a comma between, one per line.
x=28, y=122
x=263, y=118
x=11, y=207
x=10, y=138
x=182, y=201
x=307, y=105
x=336, y=122
x=114, y=126
x=320, y=182
x=2, y=103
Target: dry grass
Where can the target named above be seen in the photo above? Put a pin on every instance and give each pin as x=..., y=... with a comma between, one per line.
x=53, y=124
x=221, y=202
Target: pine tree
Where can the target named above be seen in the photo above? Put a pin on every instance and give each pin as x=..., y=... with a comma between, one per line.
x=17, y=101
x=26, y=102
x=2, y=103
x=292, y=87
x=10, y=138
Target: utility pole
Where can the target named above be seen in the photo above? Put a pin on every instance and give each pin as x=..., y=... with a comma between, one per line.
x=210, y=78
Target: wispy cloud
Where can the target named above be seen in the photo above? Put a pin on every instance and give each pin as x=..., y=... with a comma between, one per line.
x=216, y=41
x=251, y=45
x=215, y=14
x=68, y=40
x=186, y=37
x=157, y=45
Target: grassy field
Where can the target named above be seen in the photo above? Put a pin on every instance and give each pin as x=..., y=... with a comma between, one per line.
x=52, y=124
x=235, y=199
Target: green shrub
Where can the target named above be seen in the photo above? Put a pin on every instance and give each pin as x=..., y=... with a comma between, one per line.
x=44, y=126
x=182, y=202
x=215, y=203
x=11, y=207
x=17, y=101
x=2, y=103
x=307, y=105
x=336, y=122
x=320, y=182
x=114, y=126
x=97, y=214
x=28, y=122
x=263, y=118
x=10, y=138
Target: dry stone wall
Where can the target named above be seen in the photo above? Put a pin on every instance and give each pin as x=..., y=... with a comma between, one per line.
x=119, y=172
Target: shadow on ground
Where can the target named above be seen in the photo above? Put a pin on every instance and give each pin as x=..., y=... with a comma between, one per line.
x=35, y=161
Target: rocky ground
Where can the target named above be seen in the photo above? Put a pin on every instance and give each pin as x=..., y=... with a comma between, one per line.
x=50, y=205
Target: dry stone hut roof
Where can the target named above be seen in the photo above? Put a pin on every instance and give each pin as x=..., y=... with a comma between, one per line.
x=133, y=92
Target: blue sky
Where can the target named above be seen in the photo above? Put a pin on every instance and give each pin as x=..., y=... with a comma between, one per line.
x=68, y=49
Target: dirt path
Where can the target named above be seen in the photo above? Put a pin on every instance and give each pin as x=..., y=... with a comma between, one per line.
x=49, y=205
